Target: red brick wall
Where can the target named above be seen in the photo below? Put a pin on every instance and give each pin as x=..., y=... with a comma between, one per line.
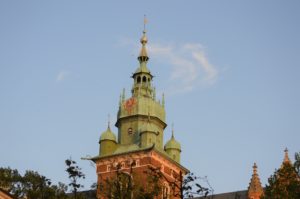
x=169, y=169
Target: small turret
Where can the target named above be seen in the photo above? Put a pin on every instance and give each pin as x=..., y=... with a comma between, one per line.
x=255, y=190
x=173, y=148
x=108, y=142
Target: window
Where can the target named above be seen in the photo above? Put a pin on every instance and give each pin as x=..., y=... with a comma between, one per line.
x=139, y=79
x=165, y=191
x=137, y=163
x=144, y=79
x=122, y=165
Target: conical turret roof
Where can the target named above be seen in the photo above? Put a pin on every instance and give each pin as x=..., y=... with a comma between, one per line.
x=173, y=143
x=108, y=135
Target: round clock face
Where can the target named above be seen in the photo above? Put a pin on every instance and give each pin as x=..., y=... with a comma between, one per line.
x=130, y=131
x=129, y=104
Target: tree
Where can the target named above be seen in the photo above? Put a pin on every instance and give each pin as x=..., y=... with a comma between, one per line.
x=10, y=180
x=127, y=185
x=75, y=174
x=32, y=185
x=284, y=183
x=297, y=163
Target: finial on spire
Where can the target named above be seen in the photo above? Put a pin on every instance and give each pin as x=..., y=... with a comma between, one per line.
x=172, y=130
x=145, y=22
x=120, y=101
x=143, y=57
x=254, y=168
x=108, y=121
x=163, y=100
x=123, y=95
x=286, y=156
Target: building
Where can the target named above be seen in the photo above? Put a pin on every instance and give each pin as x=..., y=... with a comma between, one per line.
x=139, y=146
x=5, y=194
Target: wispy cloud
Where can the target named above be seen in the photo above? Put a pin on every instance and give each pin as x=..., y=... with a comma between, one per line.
x=62, y=75
x=190, y=67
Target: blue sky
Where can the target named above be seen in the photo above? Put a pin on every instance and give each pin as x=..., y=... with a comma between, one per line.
x=229, y=70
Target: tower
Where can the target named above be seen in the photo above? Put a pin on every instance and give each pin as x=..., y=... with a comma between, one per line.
x=255, y=190
x=141, y=121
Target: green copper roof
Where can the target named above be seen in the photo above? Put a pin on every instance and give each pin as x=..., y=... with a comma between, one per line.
x=108, y=135
x=172, y=144
x=142, y=69
x=126, y=148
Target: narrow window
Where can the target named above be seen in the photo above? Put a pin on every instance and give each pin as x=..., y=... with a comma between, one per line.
x=138, y=79
x=144, y=79
x=165, y=191
x=162, y=168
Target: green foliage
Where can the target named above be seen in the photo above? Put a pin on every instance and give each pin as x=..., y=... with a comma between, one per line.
x=126, y=184
x=297, y=162
x=189, y=186
x=284, y=183
x=10, y=180
x=32, y=185
x=75, y=174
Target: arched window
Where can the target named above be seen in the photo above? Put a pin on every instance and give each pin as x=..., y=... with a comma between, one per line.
x=144, y=79
x=139, y=79
x=137, y=163
x=123, y=165
x=165, y=191
x=148, y=79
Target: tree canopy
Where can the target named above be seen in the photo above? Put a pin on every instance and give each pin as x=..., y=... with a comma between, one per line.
x=285, y=182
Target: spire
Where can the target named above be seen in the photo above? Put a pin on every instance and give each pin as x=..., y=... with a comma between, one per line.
x=254, y=169
x=286, y=157
x=108, y=121
x=255, y=189
x=120, y=101
x=143, y=57
x=123, y=95
x=172, y=131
